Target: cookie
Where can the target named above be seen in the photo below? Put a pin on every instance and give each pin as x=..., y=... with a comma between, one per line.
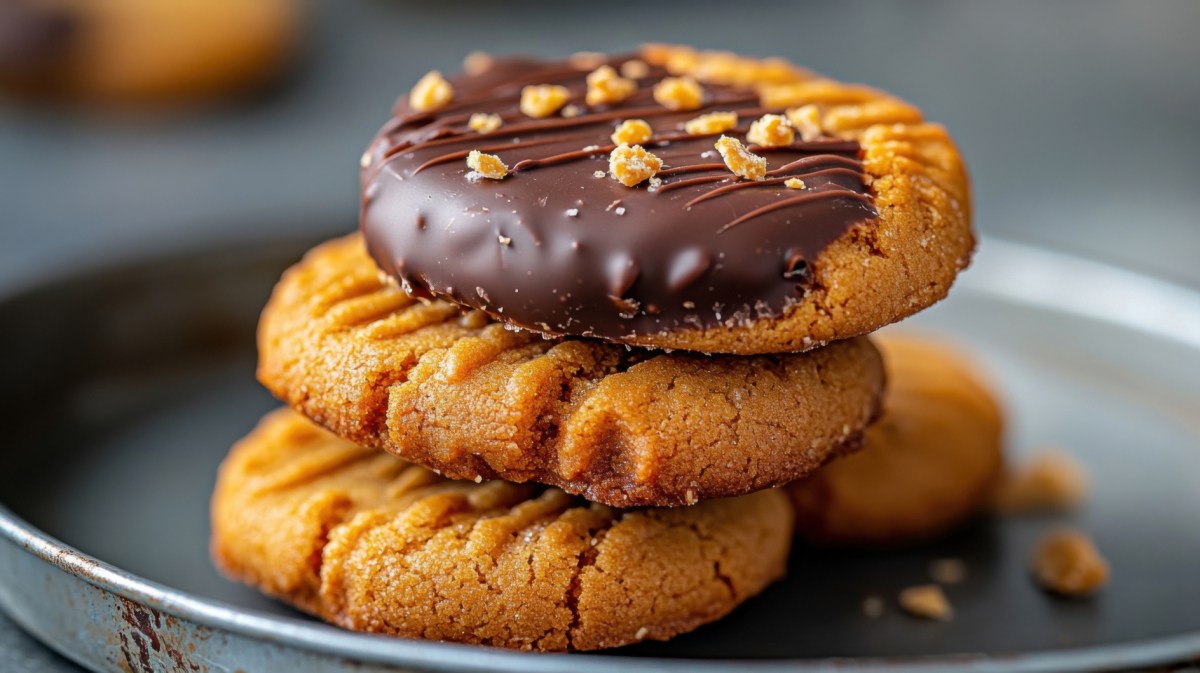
x=373, y=543
x=469, y=398
x=668, y=198
x=143, y=50
x=928, y=464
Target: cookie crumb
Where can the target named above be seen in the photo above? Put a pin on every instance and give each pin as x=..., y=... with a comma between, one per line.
x=484, y=123
x=741, y=161
x=711, y=123
x=872, y=607
x=632, y=132
x=679, y=93
x=606, y=87
x=504, y=240
x=1067, y=563
x=926, y=601
x=587, y=60
x=572, y=212
x=542, y=100
x=598, y=174
x=1052, y=481
x=807, y=120
x=641, y=633
x=635, y=69
x=631, y=165
x=430, y=92
x=947, y=571
x=771, y=131
x=794, y=183
x=486, y=165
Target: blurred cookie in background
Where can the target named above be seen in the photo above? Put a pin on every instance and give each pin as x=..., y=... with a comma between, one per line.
x=928, y=464
x=144, y=51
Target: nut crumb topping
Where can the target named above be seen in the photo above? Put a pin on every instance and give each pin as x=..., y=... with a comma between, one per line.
x=542, y=100
x=872, y=606
x=632, y=132
x=606, y=87
x=947, y=571
x=679, y=93
x=587, y=60
x=741, y=161
x=771, y=131
x=635, y=69
x=572, y=110
x=711, y=123
x=486, y=165
x=631, y=165
x=599, y=174
x=484, y=123
x=926, y=601
x=807, y=120
x=1050, y=482
x=1066, y=562
x=477, y=63
x=794, y=183
x=430, y=92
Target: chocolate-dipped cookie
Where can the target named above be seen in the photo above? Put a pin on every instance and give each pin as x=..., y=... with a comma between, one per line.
x=668, y=198
x=458, y=393
x=373, y=543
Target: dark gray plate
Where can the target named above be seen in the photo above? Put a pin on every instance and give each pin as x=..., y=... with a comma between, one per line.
x=122, y=389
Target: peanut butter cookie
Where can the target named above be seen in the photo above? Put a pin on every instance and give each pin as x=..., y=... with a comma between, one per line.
x=471, y=399
x=373, y=543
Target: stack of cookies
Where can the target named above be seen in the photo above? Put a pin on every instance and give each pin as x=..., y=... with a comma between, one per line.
x=603, y=317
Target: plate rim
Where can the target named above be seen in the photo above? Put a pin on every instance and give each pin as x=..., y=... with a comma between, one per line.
x=1015, y=272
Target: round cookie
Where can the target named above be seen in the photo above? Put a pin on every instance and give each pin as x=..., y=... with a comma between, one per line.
x=519, y=189
x=373, y=543
x=926, y=465
x=620, y=426
x=144, y=50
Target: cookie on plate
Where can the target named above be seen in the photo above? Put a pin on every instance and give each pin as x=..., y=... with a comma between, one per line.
x=373, y=543
x=926, y=465
x=667, y=198
x=467, y=397
x=144, y=50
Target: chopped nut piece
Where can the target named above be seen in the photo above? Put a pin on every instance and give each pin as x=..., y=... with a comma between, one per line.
x=634, y=69
x=679, y=93
x=543, y=100
x=486, y=165
x=632, y=132
x=587, y=60
x=484, y=123
x=572, y=110
x=1050, y=482
x=641, y=633
x=794, y=183
x=598, y=174
x=926, y=601
x=430, y=92
x=365, y=159
x=711, y=123
x=477, y=63
x=947, y=571
x=872, y=606
x=1066, y=562
x=632, y=165
x=807, y=120
x=606, y=87
x=740, y=160
x=771, y=131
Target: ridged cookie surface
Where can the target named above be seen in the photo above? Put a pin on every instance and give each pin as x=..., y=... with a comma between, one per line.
x=620, y=426
x=925, y=466
x=373, y=543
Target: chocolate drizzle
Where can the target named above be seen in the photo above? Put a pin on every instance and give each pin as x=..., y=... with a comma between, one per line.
x=556, y=249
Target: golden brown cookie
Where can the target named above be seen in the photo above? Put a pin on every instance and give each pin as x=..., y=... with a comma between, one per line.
x=144, y=50
x=927, y=464
x=619, y=426
x=669, y=198
x=373, y=543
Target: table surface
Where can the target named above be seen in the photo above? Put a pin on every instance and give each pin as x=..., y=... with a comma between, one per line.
x=1078, y=120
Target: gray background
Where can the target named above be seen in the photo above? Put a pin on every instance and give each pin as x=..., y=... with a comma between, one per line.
x=1080, y=121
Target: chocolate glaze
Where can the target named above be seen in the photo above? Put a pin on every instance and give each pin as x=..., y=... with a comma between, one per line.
x=555, y=249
